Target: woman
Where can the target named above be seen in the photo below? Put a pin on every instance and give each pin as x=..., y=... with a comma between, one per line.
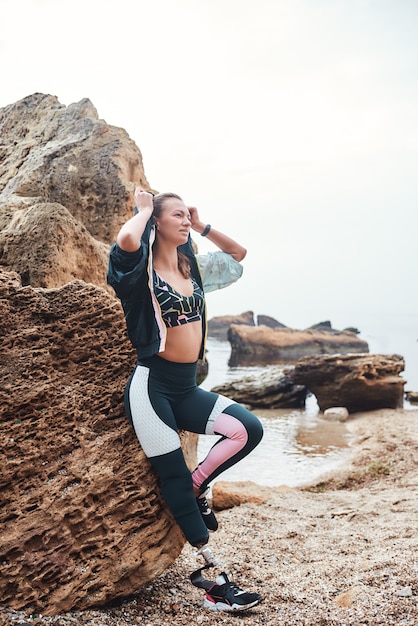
x=161, y=284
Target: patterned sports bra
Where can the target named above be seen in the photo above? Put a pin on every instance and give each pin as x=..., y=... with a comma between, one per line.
x=177, y=309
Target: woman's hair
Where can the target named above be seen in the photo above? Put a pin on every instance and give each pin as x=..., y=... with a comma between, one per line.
x=158, y=202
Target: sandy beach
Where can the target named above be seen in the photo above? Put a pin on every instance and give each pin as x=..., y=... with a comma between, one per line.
x=341, y=551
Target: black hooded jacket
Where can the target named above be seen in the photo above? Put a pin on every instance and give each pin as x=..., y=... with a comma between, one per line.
x=130, y=275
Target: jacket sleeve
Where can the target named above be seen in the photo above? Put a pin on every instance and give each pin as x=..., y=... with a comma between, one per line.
x=127, y=271
x=218, y=270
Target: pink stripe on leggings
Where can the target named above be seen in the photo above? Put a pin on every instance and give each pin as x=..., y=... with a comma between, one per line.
x=236, y=438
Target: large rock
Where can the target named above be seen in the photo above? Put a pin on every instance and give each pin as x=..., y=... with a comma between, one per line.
x=412, y=396
x=61, y=249
x=54, y=156
x=82, y=520
x=326, y=325
x=274, y=345
x=66, y=154
x=226, y=495
x=218, y=326
x=271, y=322
x=274, y=388
x=359, y=382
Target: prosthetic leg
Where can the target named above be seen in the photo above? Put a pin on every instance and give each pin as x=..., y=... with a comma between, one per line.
x=221, y=594
x=196, y=577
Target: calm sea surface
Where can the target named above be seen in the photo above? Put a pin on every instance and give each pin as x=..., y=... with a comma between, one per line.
x=298, y=444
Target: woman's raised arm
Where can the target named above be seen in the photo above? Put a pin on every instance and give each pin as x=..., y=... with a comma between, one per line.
x=222, y=241
x=129, y=236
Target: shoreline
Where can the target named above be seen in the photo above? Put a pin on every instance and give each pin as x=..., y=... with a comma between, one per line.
x=341, y=550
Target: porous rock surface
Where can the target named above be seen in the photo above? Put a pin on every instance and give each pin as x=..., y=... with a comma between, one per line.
x=358, y=382
x=49, y=248
x=82, y=520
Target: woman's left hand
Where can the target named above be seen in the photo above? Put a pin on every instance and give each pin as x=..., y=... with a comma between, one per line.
x=223, y=242
x=195, y=220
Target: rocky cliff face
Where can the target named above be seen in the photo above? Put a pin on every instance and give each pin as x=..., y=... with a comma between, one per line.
x=66, y=186
x=82, y=520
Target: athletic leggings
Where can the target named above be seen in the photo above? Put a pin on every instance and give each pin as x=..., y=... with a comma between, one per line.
x=162, y=398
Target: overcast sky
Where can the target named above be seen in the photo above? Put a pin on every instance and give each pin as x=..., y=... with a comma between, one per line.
x=291, y=124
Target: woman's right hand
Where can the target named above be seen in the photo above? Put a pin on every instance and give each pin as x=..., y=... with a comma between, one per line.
x=143, y=199
x=129, y=237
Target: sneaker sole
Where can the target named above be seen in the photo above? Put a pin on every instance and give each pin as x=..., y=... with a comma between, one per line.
x=221, y=606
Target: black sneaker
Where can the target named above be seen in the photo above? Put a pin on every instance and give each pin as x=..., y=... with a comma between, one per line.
x=206, y=512
x=226, y=596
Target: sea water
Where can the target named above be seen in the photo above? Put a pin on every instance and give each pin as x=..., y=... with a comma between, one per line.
x=299, y=445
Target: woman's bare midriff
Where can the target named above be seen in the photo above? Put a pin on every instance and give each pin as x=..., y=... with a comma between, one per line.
x=183, y=343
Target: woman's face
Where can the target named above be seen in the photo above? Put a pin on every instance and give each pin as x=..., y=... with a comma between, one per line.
x=173, y=224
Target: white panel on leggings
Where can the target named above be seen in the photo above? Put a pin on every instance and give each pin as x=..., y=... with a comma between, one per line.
x=154, y=435
x=220, y=404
